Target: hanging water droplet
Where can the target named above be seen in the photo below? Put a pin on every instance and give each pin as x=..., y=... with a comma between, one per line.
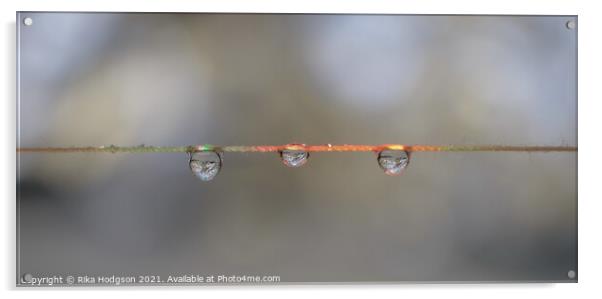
x=205, y=165
x=393, y=162
x=294, y=157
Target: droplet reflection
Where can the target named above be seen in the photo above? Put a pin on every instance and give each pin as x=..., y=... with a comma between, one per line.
x=393, y=162
x=294, y=157
x=205, y=165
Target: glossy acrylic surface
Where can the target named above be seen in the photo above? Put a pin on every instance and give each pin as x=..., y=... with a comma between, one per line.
x=88, y=79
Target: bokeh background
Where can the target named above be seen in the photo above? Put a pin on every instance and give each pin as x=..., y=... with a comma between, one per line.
x=89, y=79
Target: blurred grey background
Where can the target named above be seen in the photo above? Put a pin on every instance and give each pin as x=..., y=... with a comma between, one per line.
x=89, y=79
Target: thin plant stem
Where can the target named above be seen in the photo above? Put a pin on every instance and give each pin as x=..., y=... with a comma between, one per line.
x=308, y=148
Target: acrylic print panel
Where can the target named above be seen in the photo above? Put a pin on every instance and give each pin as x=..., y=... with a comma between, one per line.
x=172, y=148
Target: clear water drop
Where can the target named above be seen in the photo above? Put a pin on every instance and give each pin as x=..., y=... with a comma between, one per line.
x=293, y=157
x=393, y=162
x=205, y=165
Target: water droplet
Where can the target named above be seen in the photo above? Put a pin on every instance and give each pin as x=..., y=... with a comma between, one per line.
x=205, y=165
x=294, y=157
x=393, y=162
